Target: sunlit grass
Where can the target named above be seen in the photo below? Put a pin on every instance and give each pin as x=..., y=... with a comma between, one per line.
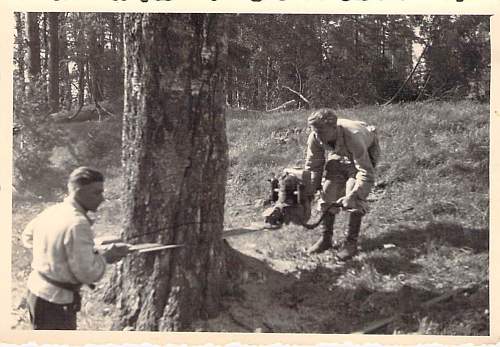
x=427, y=232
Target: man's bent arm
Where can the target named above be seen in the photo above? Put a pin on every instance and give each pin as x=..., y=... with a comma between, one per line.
x=85, y=264
x=315, y=160
x=365, y=177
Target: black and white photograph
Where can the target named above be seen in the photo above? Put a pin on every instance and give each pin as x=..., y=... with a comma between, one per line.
x=291, y=173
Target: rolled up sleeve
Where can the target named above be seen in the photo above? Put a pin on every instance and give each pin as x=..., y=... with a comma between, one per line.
x=86, y=265
x=315, y=160
x=365, y=176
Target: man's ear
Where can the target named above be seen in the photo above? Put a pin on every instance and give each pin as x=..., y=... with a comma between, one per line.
x=73, y=189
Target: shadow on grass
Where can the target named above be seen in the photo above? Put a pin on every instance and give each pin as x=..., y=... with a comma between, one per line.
x=315, y=302
x=392, y=264
x=416, y=240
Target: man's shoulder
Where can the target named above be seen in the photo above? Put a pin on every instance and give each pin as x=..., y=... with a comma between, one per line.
x=65, y=213
x=352, y=125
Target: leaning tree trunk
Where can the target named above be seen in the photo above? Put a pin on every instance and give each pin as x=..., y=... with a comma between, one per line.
x=175, y=163
x=54, y=61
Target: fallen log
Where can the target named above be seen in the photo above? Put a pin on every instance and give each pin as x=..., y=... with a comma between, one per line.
x=282, y=106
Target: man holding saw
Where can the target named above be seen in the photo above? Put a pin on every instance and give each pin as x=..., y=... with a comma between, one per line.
x=347, y=152
x=64, y=254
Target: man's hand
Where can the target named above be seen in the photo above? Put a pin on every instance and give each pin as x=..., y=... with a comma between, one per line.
x=348, y=202
x=115, y=252
x=352, y=204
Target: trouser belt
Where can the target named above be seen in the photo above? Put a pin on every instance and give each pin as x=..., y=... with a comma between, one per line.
x=74, y=287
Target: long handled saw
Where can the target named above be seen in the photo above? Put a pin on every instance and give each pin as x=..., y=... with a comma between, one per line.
x=136, y=248
x=141, y=248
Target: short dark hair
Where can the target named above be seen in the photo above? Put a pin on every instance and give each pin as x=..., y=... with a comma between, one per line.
x=83, y=176
x=322, y=117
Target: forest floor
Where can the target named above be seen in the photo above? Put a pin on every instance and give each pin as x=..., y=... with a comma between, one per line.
x=426, y=237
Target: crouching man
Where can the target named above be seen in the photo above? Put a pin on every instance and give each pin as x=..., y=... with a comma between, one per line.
x=64, y=257
x=347, y=152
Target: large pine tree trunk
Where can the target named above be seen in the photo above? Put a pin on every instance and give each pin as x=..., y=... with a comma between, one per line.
x=175, y=162
x=54, y=61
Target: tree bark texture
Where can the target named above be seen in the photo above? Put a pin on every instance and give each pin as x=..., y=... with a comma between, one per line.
x=175, y=162
x=81, y=81
x=54, y=61
x=33, y=35
x=81, y=59
x=19, y=53
x=44, y=45
x=67, y=96
x=95, y=55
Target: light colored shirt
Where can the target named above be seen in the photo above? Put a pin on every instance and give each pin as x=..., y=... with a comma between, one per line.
x=353, y=140
x=63, y=250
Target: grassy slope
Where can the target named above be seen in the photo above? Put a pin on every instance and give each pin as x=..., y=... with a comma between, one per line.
x=431, y=203
x=427, y=232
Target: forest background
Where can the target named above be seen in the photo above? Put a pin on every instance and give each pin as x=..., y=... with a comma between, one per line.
x=423, y=75
x=67, y=61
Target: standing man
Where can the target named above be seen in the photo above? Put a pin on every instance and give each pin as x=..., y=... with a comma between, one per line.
x=347, y=151
x=64, y=257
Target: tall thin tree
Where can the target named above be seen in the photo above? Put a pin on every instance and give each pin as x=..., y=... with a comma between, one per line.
x=33, y=45
x=19, y=53
x=53, y=61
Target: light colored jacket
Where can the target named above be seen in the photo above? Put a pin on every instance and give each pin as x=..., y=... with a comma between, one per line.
x=63, y=250
x=355, y=141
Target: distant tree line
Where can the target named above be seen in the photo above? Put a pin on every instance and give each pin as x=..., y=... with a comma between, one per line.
x=345, y=60
x=68, y=59
x=275, y=60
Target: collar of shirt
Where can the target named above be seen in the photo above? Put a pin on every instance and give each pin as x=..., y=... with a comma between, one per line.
x=70, y=200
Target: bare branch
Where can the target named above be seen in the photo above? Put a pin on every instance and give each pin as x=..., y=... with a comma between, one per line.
x=298, y=94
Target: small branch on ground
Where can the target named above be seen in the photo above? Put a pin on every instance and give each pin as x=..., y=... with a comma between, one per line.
x=374, y=326
x=282, y=106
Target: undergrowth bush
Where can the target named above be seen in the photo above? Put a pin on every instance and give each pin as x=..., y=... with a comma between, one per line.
x=33, y=140
x=45, y=151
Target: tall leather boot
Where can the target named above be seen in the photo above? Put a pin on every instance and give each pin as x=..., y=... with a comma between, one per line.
x=350, y=247
x=325, y=241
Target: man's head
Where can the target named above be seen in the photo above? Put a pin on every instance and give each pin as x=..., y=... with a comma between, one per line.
x=324, y=123
x=87, y=187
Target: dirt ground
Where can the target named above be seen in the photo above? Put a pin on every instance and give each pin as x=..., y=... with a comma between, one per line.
x=424, y=248
x=283, y=289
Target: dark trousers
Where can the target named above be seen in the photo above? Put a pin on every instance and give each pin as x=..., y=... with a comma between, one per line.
x=45, y=315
